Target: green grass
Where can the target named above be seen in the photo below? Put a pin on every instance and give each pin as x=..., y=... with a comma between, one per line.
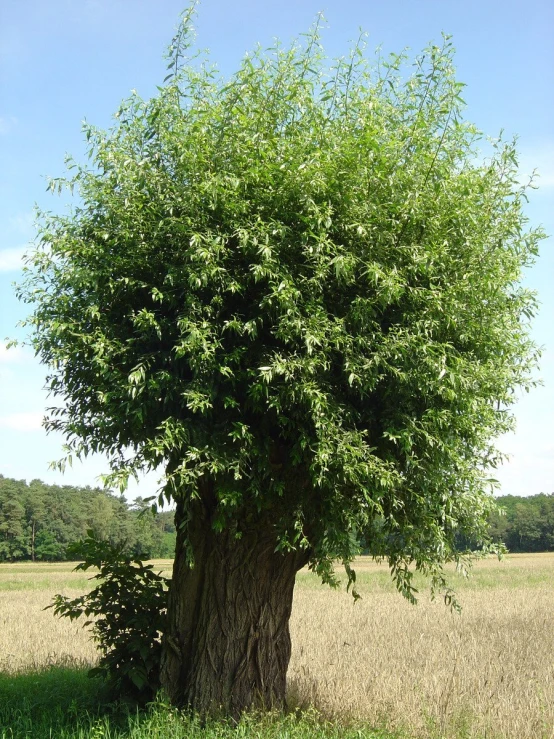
x=52, y=703
x=73, y=583
x=511, y=572
x=63, y=703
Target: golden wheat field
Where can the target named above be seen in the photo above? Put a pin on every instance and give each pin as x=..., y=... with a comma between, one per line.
x=488, y=672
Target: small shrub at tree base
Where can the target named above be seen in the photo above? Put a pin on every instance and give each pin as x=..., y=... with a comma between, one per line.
x=129, y=608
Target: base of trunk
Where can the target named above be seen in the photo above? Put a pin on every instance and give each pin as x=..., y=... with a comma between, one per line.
x=227, y=645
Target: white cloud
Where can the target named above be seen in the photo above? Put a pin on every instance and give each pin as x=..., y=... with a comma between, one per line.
x=13, y=46
x=11, y=259
x=533, y=156
x=14, y=354
x=7, y=124
x=530, y=468
x=22, y=421
x=23, y=223
x=526, y=475
x=539, y=156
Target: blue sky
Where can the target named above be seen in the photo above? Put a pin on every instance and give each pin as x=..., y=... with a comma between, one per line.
x=65, y=60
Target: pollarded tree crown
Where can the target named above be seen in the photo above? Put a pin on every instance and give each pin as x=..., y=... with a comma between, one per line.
x=302, y=285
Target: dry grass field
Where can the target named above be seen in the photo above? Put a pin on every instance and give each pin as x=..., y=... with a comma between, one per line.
x=424, y=670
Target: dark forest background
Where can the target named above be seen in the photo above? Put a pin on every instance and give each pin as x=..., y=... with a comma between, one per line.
x=528, y=523
x=39, y=521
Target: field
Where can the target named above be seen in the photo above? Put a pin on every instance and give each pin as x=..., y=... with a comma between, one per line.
x=406, y=671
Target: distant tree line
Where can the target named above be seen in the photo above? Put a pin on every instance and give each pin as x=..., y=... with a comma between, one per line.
x=522, y=523
x=39, y=521
x=527, y=524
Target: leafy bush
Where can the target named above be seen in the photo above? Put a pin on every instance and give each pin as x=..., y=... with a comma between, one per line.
x=128, y=607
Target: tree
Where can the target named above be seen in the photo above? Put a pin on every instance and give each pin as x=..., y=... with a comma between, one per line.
x=39, y=521
x=13, y=543
x=155, y=532
x=35, y=511
x=298, y=292
x=528, y=524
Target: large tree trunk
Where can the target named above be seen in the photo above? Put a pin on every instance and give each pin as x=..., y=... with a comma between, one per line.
x=227, y=645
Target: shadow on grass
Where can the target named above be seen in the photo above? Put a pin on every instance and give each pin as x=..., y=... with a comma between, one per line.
x=55, y=702
x=63, y=703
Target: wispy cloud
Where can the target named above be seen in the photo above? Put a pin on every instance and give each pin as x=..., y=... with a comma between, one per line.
x=23, y=224
x=7, y=124
x=540, y=157
x=527, y=473
x=11, y=259
x=21, y=421
x=93, y=5
x=14, y=45
x=533, y=157
x=12, y=355
x=530, y=469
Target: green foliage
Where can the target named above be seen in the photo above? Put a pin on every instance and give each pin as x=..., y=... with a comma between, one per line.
x=302, y=284
x=128, y=607
x=525, y=524
x=39, y=521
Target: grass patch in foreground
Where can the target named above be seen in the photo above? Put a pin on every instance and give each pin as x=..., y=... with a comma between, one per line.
x=54, y=702
x=64, y=703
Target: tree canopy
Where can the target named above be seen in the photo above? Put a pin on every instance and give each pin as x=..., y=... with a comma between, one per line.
x=297, y=291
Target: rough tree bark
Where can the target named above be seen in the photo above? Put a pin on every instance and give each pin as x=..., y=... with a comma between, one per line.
x=227, y=645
